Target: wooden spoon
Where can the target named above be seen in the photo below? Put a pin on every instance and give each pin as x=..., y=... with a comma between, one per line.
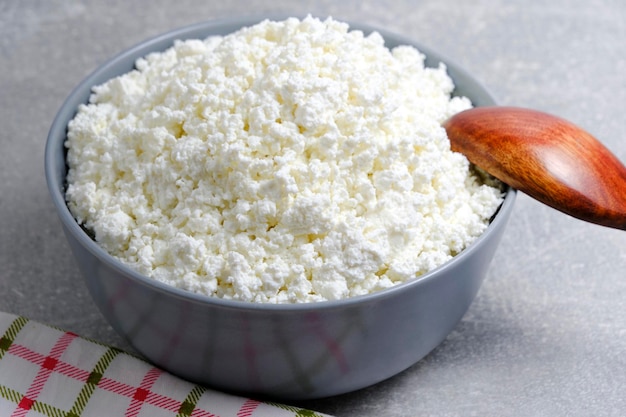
x=547, y=158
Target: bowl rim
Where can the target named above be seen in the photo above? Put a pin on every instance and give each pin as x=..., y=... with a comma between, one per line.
x=80, y=94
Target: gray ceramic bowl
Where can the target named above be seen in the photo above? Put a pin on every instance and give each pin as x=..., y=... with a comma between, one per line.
x=282, y=351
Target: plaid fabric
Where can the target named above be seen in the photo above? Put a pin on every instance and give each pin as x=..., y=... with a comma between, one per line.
x=46, y=371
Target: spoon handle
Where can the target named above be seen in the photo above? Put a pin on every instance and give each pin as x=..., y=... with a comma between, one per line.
x=546, y=157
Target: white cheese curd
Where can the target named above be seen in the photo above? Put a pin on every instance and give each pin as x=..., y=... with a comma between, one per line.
x=291, y=161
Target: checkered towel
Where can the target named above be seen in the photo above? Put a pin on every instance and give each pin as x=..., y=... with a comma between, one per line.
x=46, y=371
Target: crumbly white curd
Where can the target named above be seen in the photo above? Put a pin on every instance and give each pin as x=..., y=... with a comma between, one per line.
x=290, y=161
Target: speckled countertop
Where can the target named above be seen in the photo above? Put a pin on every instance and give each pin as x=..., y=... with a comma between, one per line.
x=546, y=335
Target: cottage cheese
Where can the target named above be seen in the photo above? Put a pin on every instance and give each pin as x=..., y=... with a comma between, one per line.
x=290, y=161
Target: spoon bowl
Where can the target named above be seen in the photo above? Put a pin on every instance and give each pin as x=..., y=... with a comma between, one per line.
x=546, y=157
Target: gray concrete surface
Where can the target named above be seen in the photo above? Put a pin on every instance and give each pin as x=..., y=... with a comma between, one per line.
x=546, y=335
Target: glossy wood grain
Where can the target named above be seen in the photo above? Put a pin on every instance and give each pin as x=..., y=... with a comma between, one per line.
x=546, y=157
